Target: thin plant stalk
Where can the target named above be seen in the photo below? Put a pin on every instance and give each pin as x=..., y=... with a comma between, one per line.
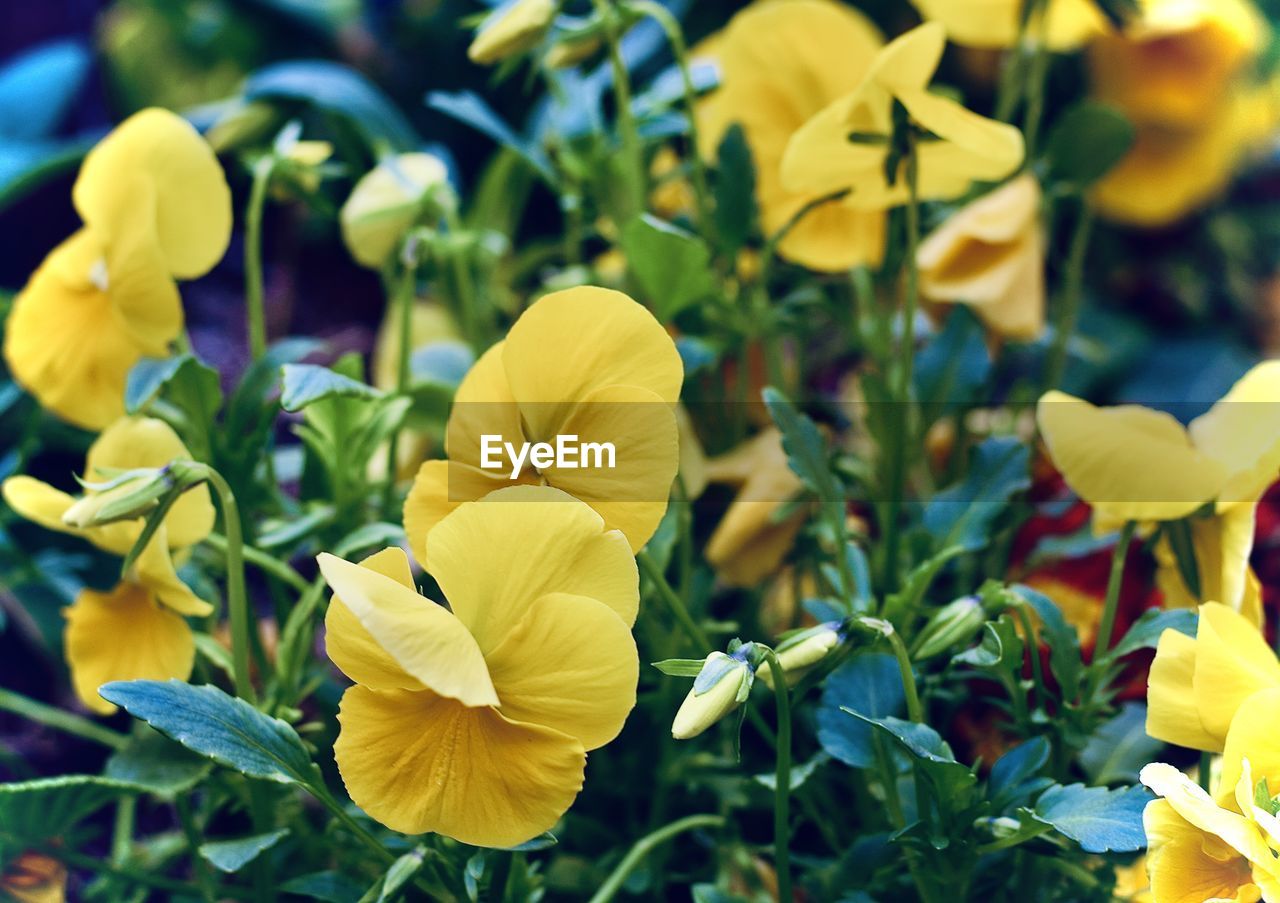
x=1114, y=581
x=1069, y=301
x=628, y=132
x=644, y=846
x=255, y=305
x=782, y=780
x=402, y=299
x=237, y=599
x=59, y=720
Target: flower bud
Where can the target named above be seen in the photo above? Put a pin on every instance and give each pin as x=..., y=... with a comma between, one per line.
x=511, y=29
x=388, y=201
x=950, y=626
x=131, y=495
x=723, y=684
x=799, y=653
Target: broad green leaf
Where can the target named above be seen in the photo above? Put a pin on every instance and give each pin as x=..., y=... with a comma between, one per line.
x=1145, y=632
x=193, y=385
x=1000, y=650
x=735, y=191
x=672, y=266
x=468, y=107
x=33, y=812
x=929, y=752
x=1118, y=749
x=806, y=449
x=155, y=762
x=228, y=730
x=1087, y=142
x=336, y=89
x=1100, y=820
x=1015, y=777
x=332, y=887
x=233, y=855
x=965, y=513
x=305, y=384
x=871, y=684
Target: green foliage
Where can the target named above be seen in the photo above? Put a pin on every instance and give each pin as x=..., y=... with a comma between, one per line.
x=1098, y=819
x=965, y=513
x=233, y=855
x=671, y=266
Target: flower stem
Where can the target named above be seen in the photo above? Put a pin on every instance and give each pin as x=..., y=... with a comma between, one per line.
x=1114, y=582
x=914, y=710
x=673, y=601
x=60, y=720
x=628, y=133
x=403, y=298
x=263, y=170
x=782, y=781
x=1069, y=301
x=642, y=847
x=237, y=600
x=264, y=562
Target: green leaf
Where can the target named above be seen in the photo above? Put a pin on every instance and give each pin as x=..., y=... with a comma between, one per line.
x=909, y=599
x=952, y=369
x=869, y=683
x=38, y=87
x=799, y=773
x=929, y=752
x=1145, y=632
x=332, y=887
x=1100, y=820
x=228, y=730
x=679, y=667
x=1118, y=749
x=468, y=107
x=400, y=873
x=33, y=812
x=1000, y=650
x=1015, y=776
x=305, y=384
x=233, y=855
x=964, y=514
x=671, y=266
x=155, y=762
x=806, y=449
x=193, y=384
x=544, y=841
x=1063, y=641
x=336, y=89
x=1088, y=141
x=735, y=191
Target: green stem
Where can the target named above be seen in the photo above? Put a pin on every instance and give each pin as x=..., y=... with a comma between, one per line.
x=628, y=132
x=673, y=601
x=1205, y=774
x=1037, y=76
x=205, y=878
x=263, y=170
x=473, y=325
x=237, y=600
x=1112, y=602
x=60, y=720
x=782, y=781
x=101, y=866
x=901, y=420
x=403, y=301
x=1069, y=301
x=264, y=562
x=680, y=50
x=642, y=847
x=914, y=710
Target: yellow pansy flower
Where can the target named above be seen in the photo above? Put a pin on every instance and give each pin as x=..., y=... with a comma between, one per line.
x=1176, y=62
x=585, y=362
x=1200, y=851
x=1131, y=463
x=512, y=28
x=386, y=203
x=990, y=257
x=781, y=62
x=994, y=23
x=1196, y=686
x=147, y=606
x=750, y=542
x=474, y=721
x=847, y=145
x=156, y=207
x=1179, y=72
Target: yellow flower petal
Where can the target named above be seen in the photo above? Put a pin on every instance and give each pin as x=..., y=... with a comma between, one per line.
x=572, y=342
x=569, y=664
x=1233, y=662
x=386, y=203
x=154, y=568
x=992, y=150
x=1189, y=866
x=1172, y=714
x=494, y=558
x=1222, y=546
x=632, y=495
x=909, y=61
x=994, y=23
x=65, y=342
x=419, y=762
x=424, y=638
x=1239, y=432
x=124, y=635
x=43, y=504
x=483, y=405
x=1189, y=800
x=1128, y=462
x=353, y=649
x=1252, y=737
x=133, y=442
x=438, y=489
x=192, y=203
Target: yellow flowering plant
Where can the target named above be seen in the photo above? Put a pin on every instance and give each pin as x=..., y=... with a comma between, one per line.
x=800, y=462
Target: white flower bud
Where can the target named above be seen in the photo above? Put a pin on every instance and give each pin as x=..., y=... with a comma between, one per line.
x=798, y=654
x=721, y=686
